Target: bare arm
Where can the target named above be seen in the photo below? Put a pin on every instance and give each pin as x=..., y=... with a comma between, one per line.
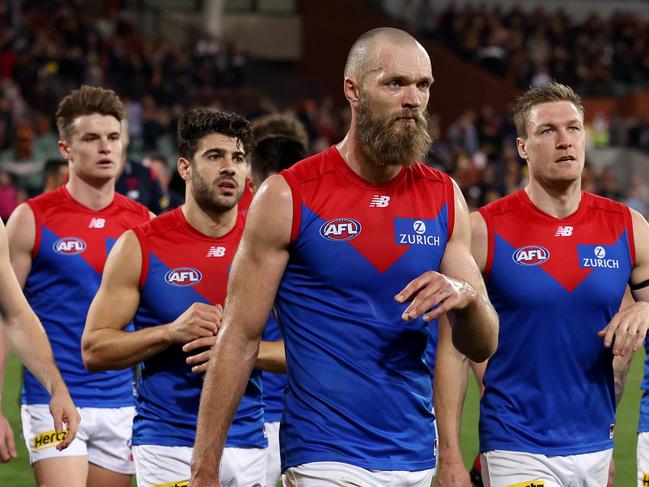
x=24, y=330
x=263, y=251
x=451, y=371
x=627, y=330
x=622, y=363
x=459, y=290
x=272, y=357
x=105, y=344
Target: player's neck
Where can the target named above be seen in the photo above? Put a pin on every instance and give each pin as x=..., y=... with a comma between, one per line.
x=94, y=196
x=358, y=162
x=213, y=224
x=558, y=202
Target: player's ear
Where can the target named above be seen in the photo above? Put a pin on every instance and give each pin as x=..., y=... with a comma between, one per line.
x=64, y=149
x=351, y=88
x=521, y=146
x=184, y=168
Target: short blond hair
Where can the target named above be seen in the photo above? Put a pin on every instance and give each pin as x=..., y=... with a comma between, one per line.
x=543, y=94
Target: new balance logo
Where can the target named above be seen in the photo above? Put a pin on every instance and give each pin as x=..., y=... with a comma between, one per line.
x=216, y=252
x=563, y=231
x=97, y=223
x=379, y=201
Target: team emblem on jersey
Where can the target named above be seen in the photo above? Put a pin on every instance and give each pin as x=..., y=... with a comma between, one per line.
x=340, y=229
x=531, y=255
x=69, y=246
x=183, y=276
x=599, y=259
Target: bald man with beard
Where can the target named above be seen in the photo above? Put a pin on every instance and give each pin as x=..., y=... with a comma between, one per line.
x=360, y=249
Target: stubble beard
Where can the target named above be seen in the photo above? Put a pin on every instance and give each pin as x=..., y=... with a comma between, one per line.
x=207, y=199
x=384, y=144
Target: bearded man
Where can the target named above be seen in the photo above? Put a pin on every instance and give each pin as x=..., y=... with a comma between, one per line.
x=360, y=249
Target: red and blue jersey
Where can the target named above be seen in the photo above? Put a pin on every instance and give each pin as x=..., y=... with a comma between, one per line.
x=359, y=387
x=555, y=282
x=180, y=267
x=273, y=384
x=70, y=249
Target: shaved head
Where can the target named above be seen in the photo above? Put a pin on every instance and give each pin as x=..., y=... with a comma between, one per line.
x=364, y=55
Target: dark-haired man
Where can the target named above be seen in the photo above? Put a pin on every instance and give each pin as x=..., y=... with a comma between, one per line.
x=58, y=244
x=170, y=276
x=348, y=245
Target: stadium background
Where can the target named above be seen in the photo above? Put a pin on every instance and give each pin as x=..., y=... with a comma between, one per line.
x=261, y=56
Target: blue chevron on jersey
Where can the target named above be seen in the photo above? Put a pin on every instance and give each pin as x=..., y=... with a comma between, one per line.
x=180, y=268
x=347, y=346
x=67, y=260
x=554, y=283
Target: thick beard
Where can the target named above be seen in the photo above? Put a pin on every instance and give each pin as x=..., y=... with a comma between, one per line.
x=384, y=144
x=207, y=200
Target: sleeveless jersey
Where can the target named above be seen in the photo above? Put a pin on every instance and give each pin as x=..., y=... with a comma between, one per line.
x=273, y=384
x=70, y=249
x=180, y=267
x=554, y=283
x=359, y=388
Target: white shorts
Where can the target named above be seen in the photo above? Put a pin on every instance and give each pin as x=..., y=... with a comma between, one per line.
x=502, y=468
x=104, y=436
x=330, y=474
x=273, y=461
x=167, y=466
x=642, y=453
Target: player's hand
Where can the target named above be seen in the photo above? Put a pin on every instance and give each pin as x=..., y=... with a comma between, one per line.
x=627, y=329
x=431, y=289
x=66, y=417
x=200, y=360
x=7, y=445
x=452, y=475
x=198, y=321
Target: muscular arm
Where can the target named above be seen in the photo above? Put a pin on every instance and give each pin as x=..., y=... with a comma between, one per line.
x=627, y=330
x=272, y=357
x=23, y=328
x=105, y=344
x=622, y=363
x=459, y=291
x=452, y=378
x=451, y=370
x=263, y=251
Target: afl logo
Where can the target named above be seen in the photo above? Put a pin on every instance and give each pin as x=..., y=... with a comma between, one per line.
x=531, y=255
x=183, y=276
x=69, y=246
x=340, y=229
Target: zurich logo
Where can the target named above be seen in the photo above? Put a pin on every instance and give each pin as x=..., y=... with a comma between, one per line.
x=69, y=246
x=340, y=229
x=531, y=255
x=600, y=252
x=419, y=227
x=183, y=276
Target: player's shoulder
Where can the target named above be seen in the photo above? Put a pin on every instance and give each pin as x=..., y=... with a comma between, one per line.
x=595, y=202
x=56, y=197
x=313, y=167
x=161, y=224
x=506, y=204
x=123, y=203
x=422, y=171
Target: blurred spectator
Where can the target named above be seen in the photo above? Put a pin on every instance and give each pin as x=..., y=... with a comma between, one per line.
x=55, y=174
x=162, y=172
x=8, y=195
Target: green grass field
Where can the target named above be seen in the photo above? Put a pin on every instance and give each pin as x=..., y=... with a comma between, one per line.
x=19, y=474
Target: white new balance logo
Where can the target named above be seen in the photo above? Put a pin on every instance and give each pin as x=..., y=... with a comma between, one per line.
x=379, y=201
x=216, y=252
x=97, y=223
x=563, y=231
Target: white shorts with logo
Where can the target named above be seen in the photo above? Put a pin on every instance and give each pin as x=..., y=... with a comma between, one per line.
x=502, y=468
x=273, y=460
x=330, y=474
x=642, y=453
x=104, y=436
x=167, y=466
